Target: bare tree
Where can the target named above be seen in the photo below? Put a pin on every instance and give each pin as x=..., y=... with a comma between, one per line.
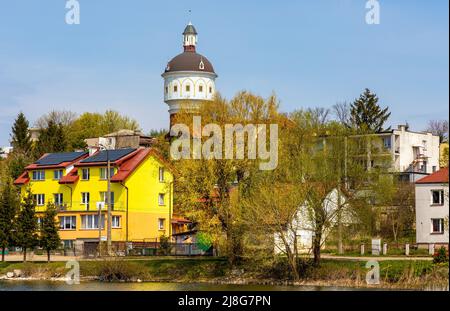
x=439, y=128
x=319, y=115
x=63, y=117
x=341, y=110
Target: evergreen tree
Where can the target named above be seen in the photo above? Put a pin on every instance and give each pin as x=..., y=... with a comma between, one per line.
x=9, y=205
x=51, y=139
x=27, y=224
x=20, y=137
x=366, y=115
x=49, y=238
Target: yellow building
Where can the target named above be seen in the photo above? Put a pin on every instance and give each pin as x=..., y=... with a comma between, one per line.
x=141, y=194
x=443, y=154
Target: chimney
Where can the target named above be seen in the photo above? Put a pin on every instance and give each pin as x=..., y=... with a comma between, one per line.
x=402, y=127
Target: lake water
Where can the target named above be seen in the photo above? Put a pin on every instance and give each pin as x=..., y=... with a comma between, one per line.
x=153, y=286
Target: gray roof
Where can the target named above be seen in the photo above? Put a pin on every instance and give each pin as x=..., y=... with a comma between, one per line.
x=190, y=29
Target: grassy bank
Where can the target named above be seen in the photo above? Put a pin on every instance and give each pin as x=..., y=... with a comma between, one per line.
x=397, y=274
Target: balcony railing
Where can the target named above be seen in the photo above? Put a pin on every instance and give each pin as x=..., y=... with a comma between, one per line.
x=78, y=206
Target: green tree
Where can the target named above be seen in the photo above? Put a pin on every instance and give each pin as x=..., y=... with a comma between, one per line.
x=209, y=190
x=20, y=136
x=9, y=205
x=52, y=138
x=366, y=115
x=27, y=236
x=49, y=237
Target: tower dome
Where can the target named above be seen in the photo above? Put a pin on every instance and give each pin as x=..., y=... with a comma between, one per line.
x=189, y=77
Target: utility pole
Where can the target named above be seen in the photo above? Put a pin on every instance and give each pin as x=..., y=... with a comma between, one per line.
x=108, y=195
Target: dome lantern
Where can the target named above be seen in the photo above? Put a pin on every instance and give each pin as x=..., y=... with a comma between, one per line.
x=189, y=38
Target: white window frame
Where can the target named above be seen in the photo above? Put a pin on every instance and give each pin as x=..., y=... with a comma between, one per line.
x=58, y=174
x=85, y=202
x=161, y=199
x=38, y=175
x=441, y=197
x=161, y=174
x=60, y=200
x=71, y=221
x=88, y=222
x=161, y=223
x=88, y=174
x=116, y=221
x=441, y=226
x=103, y=173
x=39, y=199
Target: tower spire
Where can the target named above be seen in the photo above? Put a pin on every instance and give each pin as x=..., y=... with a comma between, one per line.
x=189, y=38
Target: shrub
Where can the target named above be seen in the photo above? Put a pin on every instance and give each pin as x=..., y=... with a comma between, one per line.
x=440, y=256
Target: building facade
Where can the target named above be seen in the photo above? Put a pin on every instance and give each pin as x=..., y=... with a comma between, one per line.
x=141, y=194
x=432, y=209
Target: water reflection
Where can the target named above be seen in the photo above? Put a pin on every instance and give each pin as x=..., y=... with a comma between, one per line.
x=153, y=286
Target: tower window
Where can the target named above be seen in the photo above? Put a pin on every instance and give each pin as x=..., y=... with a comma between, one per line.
x=167, y=89
x=210, y=89
x=200, y=88
x=188, y=88
x=175, y=88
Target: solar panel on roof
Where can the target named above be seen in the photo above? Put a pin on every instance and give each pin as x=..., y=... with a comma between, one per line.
x=60, y=157
x=114, y=155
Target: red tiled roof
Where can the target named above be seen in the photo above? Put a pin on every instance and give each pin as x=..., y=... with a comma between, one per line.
x=438, y=177
x=130, y=164
x=22, y=179
x=70, y=178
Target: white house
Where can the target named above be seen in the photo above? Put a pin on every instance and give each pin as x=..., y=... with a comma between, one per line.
x=432, y=209
x=414, y=154
x=302, y=226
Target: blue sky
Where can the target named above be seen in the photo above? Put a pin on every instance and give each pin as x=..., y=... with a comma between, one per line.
x=310, y=53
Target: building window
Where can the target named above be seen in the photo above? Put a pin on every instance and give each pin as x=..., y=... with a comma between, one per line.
x=161, y=174
x=103, y=172
x=161, y=223
x=68, y=243
x=167, y=90
x=210, y=90
x=437, y=225
x=85, y=198
x=161, y=199
x=91, y=222
x=437, y=197
x=200, y=88
x=57, y=174
x=38, y=175
x=115, y=221
x=433, y=168
x=387, y=142
x=67, y=222
x=175, y=88
x=188, y=88
x=104, y=197
x=39, y=199
x=58, y=199
x=85, y=174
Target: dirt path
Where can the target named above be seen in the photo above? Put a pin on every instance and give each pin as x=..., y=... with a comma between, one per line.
x=378, y=258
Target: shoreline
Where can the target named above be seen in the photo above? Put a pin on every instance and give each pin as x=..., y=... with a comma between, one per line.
x=343, y=283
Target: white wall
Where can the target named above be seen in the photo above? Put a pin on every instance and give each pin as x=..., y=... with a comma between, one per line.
x=425, y=212
x=183, y=78
x=407, y=140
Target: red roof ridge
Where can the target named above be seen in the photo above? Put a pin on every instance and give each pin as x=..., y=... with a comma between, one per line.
x=440, y=176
